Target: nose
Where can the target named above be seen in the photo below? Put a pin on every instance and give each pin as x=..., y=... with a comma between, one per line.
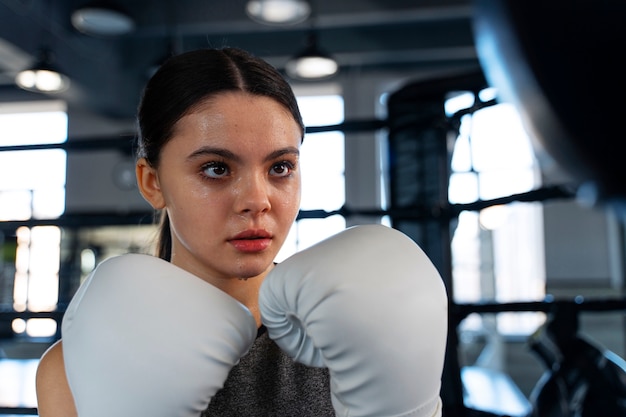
x=253, y=195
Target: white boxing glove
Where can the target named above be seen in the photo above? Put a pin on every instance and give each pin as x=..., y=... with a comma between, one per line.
x=370, y=306
x=142, y=337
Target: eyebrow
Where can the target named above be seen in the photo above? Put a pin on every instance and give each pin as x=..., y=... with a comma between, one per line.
x=290, y=150
x=226, y=154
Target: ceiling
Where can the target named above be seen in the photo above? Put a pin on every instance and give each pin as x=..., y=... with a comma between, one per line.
x=108, y=73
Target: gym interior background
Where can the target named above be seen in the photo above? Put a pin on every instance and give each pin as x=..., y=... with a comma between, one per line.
x=409, y=132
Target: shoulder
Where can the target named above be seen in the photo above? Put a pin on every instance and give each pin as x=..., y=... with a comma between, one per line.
x=54, y=398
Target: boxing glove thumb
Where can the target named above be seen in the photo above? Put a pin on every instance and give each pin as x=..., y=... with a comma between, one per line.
x=370, y=306
x=142, y=337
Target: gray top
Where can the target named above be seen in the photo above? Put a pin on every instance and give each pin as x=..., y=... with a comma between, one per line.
x=266, y=382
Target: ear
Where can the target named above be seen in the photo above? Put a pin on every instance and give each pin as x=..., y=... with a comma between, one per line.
x=148, y=183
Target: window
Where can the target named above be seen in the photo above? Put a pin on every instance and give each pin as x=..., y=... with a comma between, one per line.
x=497, y=253
x=322, y=165
x=32, y=185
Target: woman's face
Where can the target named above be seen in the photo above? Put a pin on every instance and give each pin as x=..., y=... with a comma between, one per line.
x=229, y=179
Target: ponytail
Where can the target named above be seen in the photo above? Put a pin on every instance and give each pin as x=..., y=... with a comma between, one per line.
x=164, y=239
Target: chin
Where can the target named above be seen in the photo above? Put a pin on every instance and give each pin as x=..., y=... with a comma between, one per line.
x=252, y=269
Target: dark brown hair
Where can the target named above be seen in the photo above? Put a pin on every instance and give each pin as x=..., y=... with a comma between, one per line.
x=188, y=79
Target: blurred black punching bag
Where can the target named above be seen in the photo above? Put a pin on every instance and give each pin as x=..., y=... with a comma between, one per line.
x=561, y=63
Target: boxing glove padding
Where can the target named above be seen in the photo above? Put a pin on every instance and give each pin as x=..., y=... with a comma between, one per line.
x=142, y=337
x=370, y=306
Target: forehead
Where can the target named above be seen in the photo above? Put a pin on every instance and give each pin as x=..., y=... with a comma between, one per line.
x=237, y=118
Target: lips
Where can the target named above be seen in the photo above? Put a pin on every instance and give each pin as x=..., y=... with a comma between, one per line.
x=251, y=241
x=253, y=234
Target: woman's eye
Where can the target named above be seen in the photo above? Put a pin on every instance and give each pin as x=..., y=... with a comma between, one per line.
x=281, y=169
x=215, y=170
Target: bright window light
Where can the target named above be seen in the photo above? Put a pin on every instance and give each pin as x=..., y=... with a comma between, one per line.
x=32, y=185
x=33, y=123
x=493, y=157
x=33, y=180
x=458, y=101
x=322, y=165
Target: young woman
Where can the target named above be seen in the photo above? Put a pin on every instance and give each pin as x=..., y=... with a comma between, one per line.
x=203, y=329
x=219, y=142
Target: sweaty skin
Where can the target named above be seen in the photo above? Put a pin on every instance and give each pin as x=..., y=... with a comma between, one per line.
x=230, y=181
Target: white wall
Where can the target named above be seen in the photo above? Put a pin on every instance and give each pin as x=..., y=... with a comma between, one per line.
x=99, y=181
x=577, y=245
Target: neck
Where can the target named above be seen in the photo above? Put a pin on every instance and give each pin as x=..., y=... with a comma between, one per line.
x=246, y=292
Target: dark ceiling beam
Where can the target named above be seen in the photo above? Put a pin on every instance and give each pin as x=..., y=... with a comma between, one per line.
x=163, y=27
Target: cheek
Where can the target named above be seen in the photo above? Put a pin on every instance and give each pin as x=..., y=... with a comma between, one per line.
x=195, y=206
x=290, y=200
x=196, y=221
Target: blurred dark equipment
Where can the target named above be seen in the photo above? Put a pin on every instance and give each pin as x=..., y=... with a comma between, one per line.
x=583, y=379
x=560, y=63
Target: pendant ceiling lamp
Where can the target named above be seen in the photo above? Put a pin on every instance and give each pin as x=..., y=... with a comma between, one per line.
x=278, y=12
x=102, y=18
x=43, y=77
x=312, y=63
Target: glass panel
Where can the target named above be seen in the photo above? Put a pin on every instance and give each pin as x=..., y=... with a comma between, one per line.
x=463, y=188
x=499, y=140
x=323, y=183
x=33, y=128
x=32, y=185
x=497, y=253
